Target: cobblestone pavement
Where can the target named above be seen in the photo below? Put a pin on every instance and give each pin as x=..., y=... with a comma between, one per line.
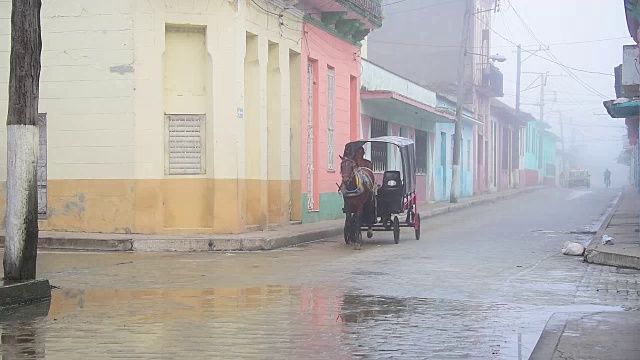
x=480, y=284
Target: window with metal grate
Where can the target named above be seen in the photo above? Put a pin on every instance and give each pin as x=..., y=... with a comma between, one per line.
x=185, y=144
x=379, y=150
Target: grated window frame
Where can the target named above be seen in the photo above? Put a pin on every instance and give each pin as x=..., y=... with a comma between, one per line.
x=201, y=144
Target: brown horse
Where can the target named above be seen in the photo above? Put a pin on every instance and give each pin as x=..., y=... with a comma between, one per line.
x=358, y=190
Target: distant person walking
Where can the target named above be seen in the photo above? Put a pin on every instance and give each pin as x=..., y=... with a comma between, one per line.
x=607, y=178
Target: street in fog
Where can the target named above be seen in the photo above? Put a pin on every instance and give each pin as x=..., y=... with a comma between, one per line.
x=476, y=282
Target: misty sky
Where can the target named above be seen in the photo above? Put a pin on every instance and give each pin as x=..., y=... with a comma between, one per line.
x=559, y=22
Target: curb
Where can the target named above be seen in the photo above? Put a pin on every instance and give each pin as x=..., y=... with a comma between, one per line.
x=26, y=292
x=24, y=312
x=548, y=342
x=130, y=243
x=593, y=243
x=547, y=346
x=610, y=258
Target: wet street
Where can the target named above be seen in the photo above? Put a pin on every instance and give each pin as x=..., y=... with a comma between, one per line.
x=480, y=284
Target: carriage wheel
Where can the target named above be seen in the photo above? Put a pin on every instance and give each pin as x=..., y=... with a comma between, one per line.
x=396, y=230
x=416, y=225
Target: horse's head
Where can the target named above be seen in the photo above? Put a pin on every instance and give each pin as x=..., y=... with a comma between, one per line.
x=347, y=168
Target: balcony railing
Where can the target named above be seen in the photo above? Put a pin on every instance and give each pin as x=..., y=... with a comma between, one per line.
x=372, y=6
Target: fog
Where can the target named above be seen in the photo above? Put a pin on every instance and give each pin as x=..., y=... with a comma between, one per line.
x=581, y=37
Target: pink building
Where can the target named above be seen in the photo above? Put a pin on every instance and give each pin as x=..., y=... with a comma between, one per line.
x=508, y=126
x=330, y=94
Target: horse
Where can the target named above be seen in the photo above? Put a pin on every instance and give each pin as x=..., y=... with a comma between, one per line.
x=358, y=190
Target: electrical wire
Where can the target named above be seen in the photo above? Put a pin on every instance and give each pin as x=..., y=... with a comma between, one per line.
x=281, y=23
x=424, y=7
x=395, y=2
x=506, y=26
x=511, y=41
x=265, y=10
x=567, y=69
x=587, y=41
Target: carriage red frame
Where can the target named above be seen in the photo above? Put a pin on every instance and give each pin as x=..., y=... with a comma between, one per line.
x=390, y=221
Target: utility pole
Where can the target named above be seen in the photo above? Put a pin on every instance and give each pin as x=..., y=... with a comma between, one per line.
x=460, y=100
x=561, y=130
x=21, y=237
x=543, y=83
x=519, y=71
x=518, y=79
x=564, y=155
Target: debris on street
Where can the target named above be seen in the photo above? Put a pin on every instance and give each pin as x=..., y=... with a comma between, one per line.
x=607, y=240
x=573, y=248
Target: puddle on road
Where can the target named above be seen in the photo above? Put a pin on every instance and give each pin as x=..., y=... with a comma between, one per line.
x=269, y=321
x=22, y=331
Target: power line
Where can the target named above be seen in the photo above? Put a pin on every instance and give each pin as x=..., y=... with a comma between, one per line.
x=567, y=69
x=494, y=47
x=586, y=86
x=550, y=60
x=546, y=49
x=396, y=2
x=587, y=41
x=506, y=26
x=424, y=7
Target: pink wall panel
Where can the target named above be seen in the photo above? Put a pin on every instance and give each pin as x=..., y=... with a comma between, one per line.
x=329, y=51
x=421, y=187
x=531, y=177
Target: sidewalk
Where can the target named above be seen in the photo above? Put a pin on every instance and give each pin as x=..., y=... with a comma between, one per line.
x=622, y=225
x=285, y=236
x=601, y=335
x=605, y=335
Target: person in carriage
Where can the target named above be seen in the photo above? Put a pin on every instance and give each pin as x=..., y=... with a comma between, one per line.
x=361, y=161
x=367, y=204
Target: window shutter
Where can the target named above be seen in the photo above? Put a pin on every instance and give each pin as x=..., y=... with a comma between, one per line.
x=331, y=119
x=310, y=140
x=185, y=144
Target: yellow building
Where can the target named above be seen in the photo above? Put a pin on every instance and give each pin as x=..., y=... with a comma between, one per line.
x=171, y=116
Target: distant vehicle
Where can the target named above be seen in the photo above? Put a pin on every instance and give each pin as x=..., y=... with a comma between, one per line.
x=579, y=177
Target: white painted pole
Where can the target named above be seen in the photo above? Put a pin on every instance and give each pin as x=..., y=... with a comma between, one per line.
x=460, y=100
x=21, y=229
x=21, y=239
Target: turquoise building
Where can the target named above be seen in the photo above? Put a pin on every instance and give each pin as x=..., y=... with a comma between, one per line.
x=533, y=158
x=443, y=154
x=549, y=149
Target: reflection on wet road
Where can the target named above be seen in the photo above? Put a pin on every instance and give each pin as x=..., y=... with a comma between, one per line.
x=478, y=281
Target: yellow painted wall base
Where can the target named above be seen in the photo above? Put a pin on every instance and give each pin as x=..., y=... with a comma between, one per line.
x=267, y=202
x=168, y=206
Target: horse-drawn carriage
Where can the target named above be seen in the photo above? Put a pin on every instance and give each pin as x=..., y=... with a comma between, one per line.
x=376, y=207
